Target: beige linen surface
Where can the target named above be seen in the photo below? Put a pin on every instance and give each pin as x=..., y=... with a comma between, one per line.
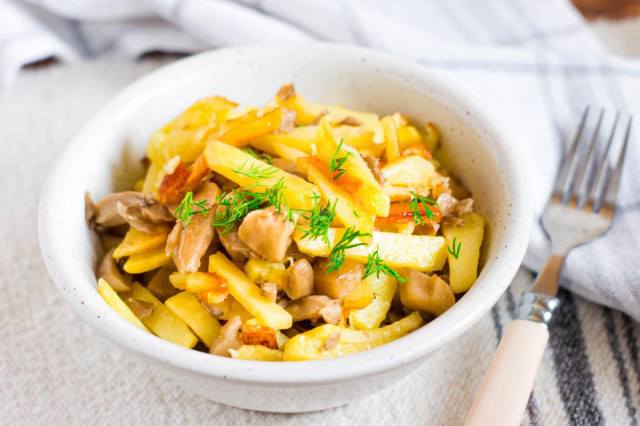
x=56, y=370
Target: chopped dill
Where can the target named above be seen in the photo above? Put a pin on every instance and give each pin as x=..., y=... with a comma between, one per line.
x=187, y=206
x=257, y=171
x=337, y=255
x=415, y=205
x=375, y=265
x=455, y=252
x=263, y=156
x=337, y=162
x=320, y=218
x=242, y=202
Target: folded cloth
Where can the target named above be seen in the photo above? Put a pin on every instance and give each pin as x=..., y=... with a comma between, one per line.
x=536, y=65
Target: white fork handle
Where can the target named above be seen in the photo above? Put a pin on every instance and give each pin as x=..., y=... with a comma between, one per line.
x=507, y=386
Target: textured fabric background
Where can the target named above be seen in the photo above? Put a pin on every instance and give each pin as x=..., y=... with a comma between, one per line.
x=57, y=371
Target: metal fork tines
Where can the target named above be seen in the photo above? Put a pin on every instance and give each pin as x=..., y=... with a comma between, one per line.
x=581, y=207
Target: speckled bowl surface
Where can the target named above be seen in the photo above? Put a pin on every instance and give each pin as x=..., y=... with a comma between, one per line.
x=104, y=157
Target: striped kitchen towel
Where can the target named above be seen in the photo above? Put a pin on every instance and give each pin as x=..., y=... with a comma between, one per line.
x=536, y=64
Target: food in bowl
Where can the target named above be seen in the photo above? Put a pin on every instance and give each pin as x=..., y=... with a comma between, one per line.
x=294, y=231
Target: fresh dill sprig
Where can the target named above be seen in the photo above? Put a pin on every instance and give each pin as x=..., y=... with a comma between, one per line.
x=337, y=255
x=337, y=162
x=455, y=252
x=375, y=265
x=263, y=156
x=320, y=218
x=257, y=171
x=242, y=202
x=186, y=208
x=415, y=205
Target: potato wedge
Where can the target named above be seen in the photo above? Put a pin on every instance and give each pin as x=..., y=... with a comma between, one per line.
x=420, y=252
x=248, y=294
x=111, y=297
x=162, y=321
x=392, y=148
x=225, y=159
x=187, y=306
x=311, y=344
x=135, y=242
x=370, y=317
x=148, y=261
x=464, y=252
x=268, y=123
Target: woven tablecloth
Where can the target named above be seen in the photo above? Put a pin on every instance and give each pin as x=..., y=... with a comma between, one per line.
x=56, y=370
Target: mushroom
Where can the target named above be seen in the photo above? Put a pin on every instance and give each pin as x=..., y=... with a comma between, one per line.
x=374, y=166
x=350, y=120
x=195, y=237
x=269, y=291
x=286, y=91
x=108, y=270
x=314, y=307
x=300, y=282
x=425, y=293
x=229, y=338
x=135, y=205
x=237, y=250
x=268, y=233
x=337, y=284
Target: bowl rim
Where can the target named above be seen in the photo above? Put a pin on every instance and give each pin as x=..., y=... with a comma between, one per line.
x=84, y=299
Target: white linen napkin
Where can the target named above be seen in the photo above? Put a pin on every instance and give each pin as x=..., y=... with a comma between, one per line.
x=535, y=64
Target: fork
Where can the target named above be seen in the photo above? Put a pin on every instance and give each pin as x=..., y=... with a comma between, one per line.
x=574, y=215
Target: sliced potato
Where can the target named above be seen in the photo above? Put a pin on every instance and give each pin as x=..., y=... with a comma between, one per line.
x=391, y=139
x=420, y=252
x=111, y=297
x=147, y=261
x=248, y=294
x=463, y=262
x=256, y=353
x=313, y=344
x=224, y=159
x=188, y=307
x=162, y=321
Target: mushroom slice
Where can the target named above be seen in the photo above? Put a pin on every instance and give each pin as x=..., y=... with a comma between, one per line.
x=136, y=208
x=108, y=270
x=229, y=338
x=300, y=282
x=374, y=165
x=315, y=307
x=268, y=233
x=196, y=236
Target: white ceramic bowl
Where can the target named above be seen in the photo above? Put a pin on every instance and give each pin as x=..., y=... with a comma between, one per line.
x=104, y=157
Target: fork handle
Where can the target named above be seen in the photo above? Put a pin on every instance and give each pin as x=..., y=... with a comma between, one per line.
x=506, y=388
